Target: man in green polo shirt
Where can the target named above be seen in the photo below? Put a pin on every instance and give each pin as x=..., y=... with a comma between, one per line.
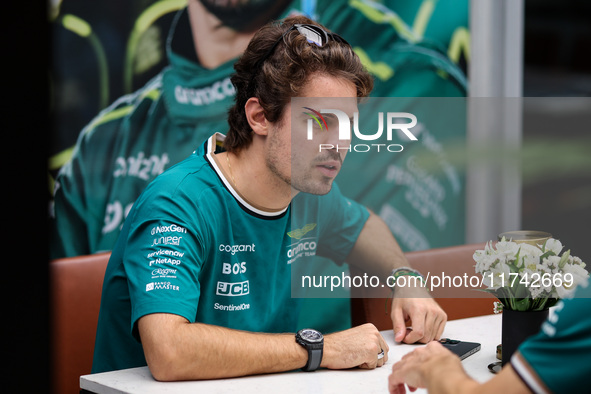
x=555, y=360
x=140, y=135
x=198, y=285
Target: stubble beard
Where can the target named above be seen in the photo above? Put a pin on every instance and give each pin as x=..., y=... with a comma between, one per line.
x=302, y=181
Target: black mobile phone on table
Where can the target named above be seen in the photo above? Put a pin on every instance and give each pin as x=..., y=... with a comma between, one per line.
x=461, y=348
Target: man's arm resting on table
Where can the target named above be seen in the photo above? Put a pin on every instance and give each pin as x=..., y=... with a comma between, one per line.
x=376, y=250
x=178, y=350
x=440, y=371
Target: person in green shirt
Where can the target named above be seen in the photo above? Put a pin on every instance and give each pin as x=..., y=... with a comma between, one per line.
x=555, y=360
x=140, y=135
x=197, y=286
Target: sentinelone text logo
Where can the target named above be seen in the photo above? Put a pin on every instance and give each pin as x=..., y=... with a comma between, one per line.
x=392, y=123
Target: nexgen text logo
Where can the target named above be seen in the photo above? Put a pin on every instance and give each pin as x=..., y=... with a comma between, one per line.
x=393, y=123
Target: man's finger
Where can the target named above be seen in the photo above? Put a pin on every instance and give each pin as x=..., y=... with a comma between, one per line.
x=399, y=324
x=395, y=383
x=385, y=349
x=440, y=329
x=418, y=329
x=431, y=326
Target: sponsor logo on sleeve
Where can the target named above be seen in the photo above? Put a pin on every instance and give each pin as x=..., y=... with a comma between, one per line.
x=164, y=273
x=173, y=228
x=161, y=286
x=169, y=240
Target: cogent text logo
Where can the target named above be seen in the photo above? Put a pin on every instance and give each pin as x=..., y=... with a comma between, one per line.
x=393, y=122
x=233, y=249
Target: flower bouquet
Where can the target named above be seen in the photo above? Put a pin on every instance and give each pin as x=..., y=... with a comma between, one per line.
x=528, y=277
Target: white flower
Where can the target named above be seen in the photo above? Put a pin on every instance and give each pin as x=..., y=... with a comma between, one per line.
x=579, y=273
x=530, y=262
x=507, y=249
x=572, y=276
x=576, y=260
x=497, y=307
x=554, y=245
x=483, y=261
x=536, y=292
x=497, y=277
x=553, y=276
x=530, y=250
x=531, y=279
x=552, y=263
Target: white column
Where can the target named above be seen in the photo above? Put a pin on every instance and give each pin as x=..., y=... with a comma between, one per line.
x=494, y=118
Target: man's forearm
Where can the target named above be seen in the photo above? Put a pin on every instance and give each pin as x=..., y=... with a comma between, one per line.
x=376, y=248
x=449, y=378
x=178, y=350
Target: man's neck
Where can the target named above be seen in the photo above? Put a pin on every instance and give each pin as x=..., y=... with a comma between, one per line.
x=251, y=178
x=214, y=44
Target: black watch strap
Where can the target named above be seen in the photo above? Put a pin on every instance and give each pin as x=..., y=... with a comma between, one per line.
x=313, y=341
x=314, y=359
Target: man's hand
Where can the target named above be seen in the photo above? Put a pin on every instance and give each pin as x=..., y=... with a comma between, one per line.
x=355, y=347
x=440, y=371
x=424, y=367
x=428, y=319
x=377, y=251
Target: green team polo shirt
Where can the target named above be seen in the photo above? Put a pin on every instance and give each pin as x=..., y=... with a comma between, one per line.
x=142, y=134
x=558, y=358
x=192, y=246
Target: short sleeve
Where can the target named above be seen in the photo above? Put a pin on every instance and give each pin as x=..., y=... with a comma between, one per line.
x=342, y=220
x=557, y=359
x=163, y=259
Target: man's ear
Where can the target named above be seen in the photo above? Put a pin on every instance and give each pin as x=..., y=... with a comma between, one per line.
x=255, y=115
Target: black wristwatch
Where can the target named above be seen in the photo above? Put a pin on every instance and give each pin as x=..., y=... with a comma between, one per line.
x=313, y=342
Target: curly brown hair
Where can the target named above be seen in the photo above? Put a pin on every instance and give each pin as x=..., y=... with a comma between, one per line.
x=285, y=72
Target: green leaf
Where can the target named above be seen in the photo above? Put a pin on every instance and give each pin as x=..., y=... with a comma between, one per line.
x=517, y=256
x=521, y=291
x=522, y=304
x=564, y=259
x=547, y=254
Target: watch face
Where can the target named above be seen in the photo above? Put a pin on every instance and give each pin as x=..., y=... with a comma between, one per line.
x=311, y=335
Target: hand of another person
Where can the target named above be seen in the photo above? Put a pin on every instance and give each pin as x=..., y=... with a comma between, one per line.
x=414, y=367
x=428, y=319
x=356, y=347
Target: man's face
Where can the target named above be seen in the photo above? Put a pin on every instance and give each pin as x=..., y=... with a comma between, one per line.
x=245, y=15
x=299, y=161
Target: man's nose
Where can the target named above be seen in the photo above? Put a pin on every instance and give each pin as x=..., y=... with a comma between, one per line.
x=332, y=137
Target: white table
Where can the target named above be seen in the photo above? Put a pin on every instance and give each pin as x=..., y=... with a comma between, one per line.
x=484, y=329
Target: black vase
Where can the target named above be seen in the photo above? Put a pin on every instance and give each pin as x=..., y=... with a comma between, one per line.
x=517, y=327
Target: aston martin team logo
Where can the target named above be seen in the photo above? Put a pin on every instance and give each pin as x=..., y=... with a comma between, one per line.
x=300, y=232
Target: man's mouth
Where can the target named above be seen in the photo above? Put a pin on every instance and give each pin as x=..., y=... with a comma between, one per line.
x=329, y=169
